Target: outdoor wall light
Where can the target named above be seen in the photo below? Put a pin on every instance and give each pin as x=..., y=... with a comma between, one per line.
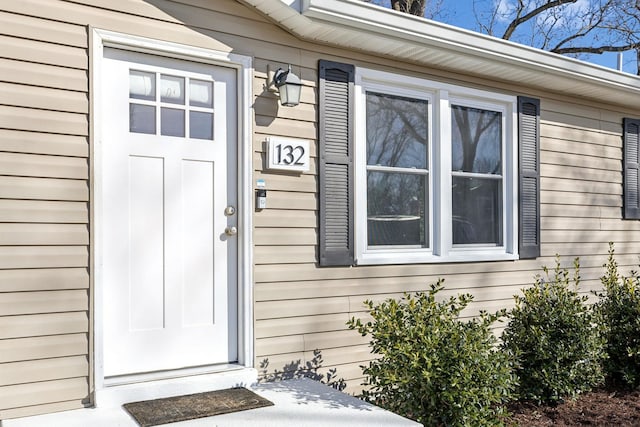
x=288, y=86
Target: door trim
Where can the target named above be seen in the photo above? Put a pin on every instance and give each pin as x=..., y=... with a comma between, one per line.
x=244, y=72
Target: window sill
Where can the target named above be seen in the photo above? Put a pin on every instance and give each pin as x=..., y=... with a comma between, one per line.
x=421, y=257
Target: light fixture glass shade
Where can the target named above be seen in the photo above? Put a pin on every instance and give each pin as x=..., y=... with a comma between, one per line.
x=289, y=86
x=290, y=94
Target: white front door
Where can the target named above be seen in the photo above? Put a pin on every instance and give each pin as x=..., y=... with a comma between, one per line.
x=168, y=152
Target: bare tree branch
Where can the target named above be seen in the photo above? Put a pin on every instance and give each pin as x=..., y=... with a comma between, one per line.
x=535, y=12
x=568, y=27
x=577, y=35
x=596, y=49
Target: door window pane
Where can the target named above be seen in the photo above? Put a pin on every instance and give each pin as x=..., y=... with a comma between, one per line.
x=396, y=209
x=201, y=94
x=142, y=118
x=200, y=125
x=171, y=122
x=476, y=144
x=396, y=131
x=172, y=89
x=142, y=85
x=477, y=211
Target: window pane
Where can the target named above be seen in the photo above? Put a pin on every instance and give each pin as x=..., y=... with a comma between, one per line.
x=172, y=89
x=396, y=213
x=396, y=131
x=142, y=118
x=477, y=211
x=142, y=85
x=171, y=122
x=200, y=125
x=476, y=144
x=201, y=93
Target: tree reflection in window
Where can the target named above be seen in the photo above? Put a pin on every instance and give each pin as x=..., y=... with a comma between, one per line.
x=397, y=170
x=476, y=156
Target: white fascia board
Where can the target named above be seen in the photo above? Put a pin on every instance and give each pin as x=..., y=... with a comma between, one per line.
x=354, y=24
x=407, y=28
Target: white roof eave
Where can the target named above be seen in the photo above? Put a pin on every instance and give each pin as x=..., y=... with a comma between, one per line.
x=354, y=24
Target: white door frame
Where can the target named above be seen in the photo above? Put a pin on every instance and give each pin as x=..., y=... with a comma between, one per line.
x=244, y=68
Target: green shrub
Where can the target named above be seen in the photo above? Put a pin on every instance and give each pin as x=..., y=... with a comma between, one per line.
x=555, y=337
x=434, y=367
x=619, y=308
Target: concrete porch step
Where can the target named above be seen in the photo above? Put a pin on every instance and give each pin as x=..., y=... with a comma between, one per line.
x=297, y=403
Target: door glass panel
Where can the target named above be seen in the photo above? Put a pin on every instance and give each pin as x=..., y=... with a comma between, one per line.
x=142, y=85
x=200, y=125
x=142, y=118
x=172, y=89
x=171, y=122
x=201, y=94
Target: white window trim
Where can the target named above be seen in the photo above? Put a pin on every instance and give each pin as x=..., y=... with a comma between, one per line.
x=439, y=96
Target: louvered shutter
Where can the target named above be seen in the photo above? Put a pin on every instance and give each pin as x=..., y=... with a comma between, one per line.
x=529, y=179
x=631, y=146
x=335, y=126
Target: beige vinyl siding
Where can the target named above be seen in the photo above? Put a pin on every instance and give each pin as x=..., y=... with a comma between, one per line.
x=42, y=348
x=299, y=307
x=44, y=235
x=44, y=172
x=20, y=398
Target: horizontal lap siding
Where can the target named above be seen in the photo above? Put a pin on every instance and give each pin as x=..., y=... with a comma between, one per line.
x=295, y=327
x=44, y=174
x=44, y=213
x=299, y=307
x=581, y=184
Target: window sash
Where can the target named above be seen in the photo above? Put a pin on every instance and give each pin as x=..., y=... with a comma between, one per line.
x=400, y=220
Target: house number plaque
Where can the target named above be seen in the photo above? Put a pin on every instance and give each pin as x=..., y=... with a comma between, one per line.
x=288, y=154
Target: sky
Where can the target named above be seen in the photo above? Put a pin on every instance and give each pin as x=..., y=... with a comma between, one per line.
x=460, y=13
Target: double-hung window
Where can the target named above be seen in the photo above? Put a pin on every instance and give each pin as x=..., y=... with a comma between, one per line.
x=435, y=168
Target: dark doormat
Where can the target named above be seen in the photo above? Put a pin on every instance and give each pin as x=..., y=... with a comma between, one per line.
x=200, y=405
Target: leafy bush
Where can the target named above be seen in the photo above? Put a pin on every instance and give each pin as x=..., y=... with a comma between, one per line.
x=619, y=308
x=434, y=367
x=555, y=338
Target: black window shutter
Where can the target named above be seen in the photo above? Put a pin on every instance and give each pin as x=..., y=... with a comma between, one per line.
x=529, y=179
x=631, y=182
x=335, y=136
